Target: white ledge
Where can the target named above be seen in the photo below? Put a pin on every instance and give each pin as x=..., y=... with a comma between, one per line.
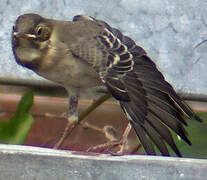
x=42, y=163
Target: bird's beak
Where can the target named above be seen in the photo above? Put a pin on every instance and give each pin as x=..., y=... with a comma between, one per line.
x=23, y=35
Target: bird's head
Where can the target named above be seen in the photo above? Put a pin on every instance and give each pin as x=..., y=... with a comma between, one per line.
x=30, y=38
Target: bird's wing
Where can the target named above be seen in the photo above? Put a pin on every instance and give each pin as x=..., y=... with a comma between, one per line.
x=150, y=103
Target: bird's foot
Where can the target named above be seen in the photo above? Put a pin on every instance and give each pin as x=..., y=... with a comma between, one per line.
x=115, y=148
x=113, y=143
x=118, y=147
x=123, y=143
x=104, y=147
x=108, y=131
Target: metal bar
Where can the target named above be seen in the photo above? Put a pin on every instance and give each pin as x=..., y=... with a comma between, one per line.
x=45, y=84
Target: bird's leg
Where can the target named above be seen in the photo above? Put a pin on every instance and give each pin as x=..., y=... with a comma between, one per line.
x=123, y=142
x=108, y=131
x=127, y=146
x=72, y=118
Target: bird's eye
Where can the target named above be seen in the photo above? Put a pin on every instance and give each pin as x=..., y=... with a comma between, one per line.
x=39, y=31
x=42, y=32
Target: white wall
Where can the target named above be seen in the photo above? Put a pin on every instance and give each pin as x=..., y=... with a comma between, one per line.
x=168, y=30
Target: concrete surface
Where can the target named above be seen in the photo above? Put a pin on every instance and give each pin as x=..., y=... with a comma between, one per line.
x=24, y=162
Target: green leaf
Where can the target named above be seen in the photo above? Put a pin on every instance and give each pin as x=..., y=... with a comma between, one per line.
x=16, y=129
x=197, y=133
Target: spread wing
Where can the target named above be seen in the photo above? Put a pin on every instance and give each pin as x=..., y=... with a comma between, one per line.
x=150, y=103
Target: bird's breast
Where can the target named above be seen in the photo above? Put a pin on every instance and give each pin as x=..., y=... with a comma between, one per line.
x=72, y=72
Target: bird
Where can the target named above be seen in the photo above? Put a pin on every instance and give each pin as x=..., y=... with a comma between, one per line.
x=87, y=52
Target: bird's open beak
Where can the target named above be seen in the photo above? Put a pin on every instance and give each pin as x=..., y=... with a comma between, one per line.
x=23, y=35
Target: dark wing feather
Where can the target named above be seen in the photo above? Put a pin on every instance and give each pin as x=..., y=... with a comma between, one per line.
x=150, y=103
